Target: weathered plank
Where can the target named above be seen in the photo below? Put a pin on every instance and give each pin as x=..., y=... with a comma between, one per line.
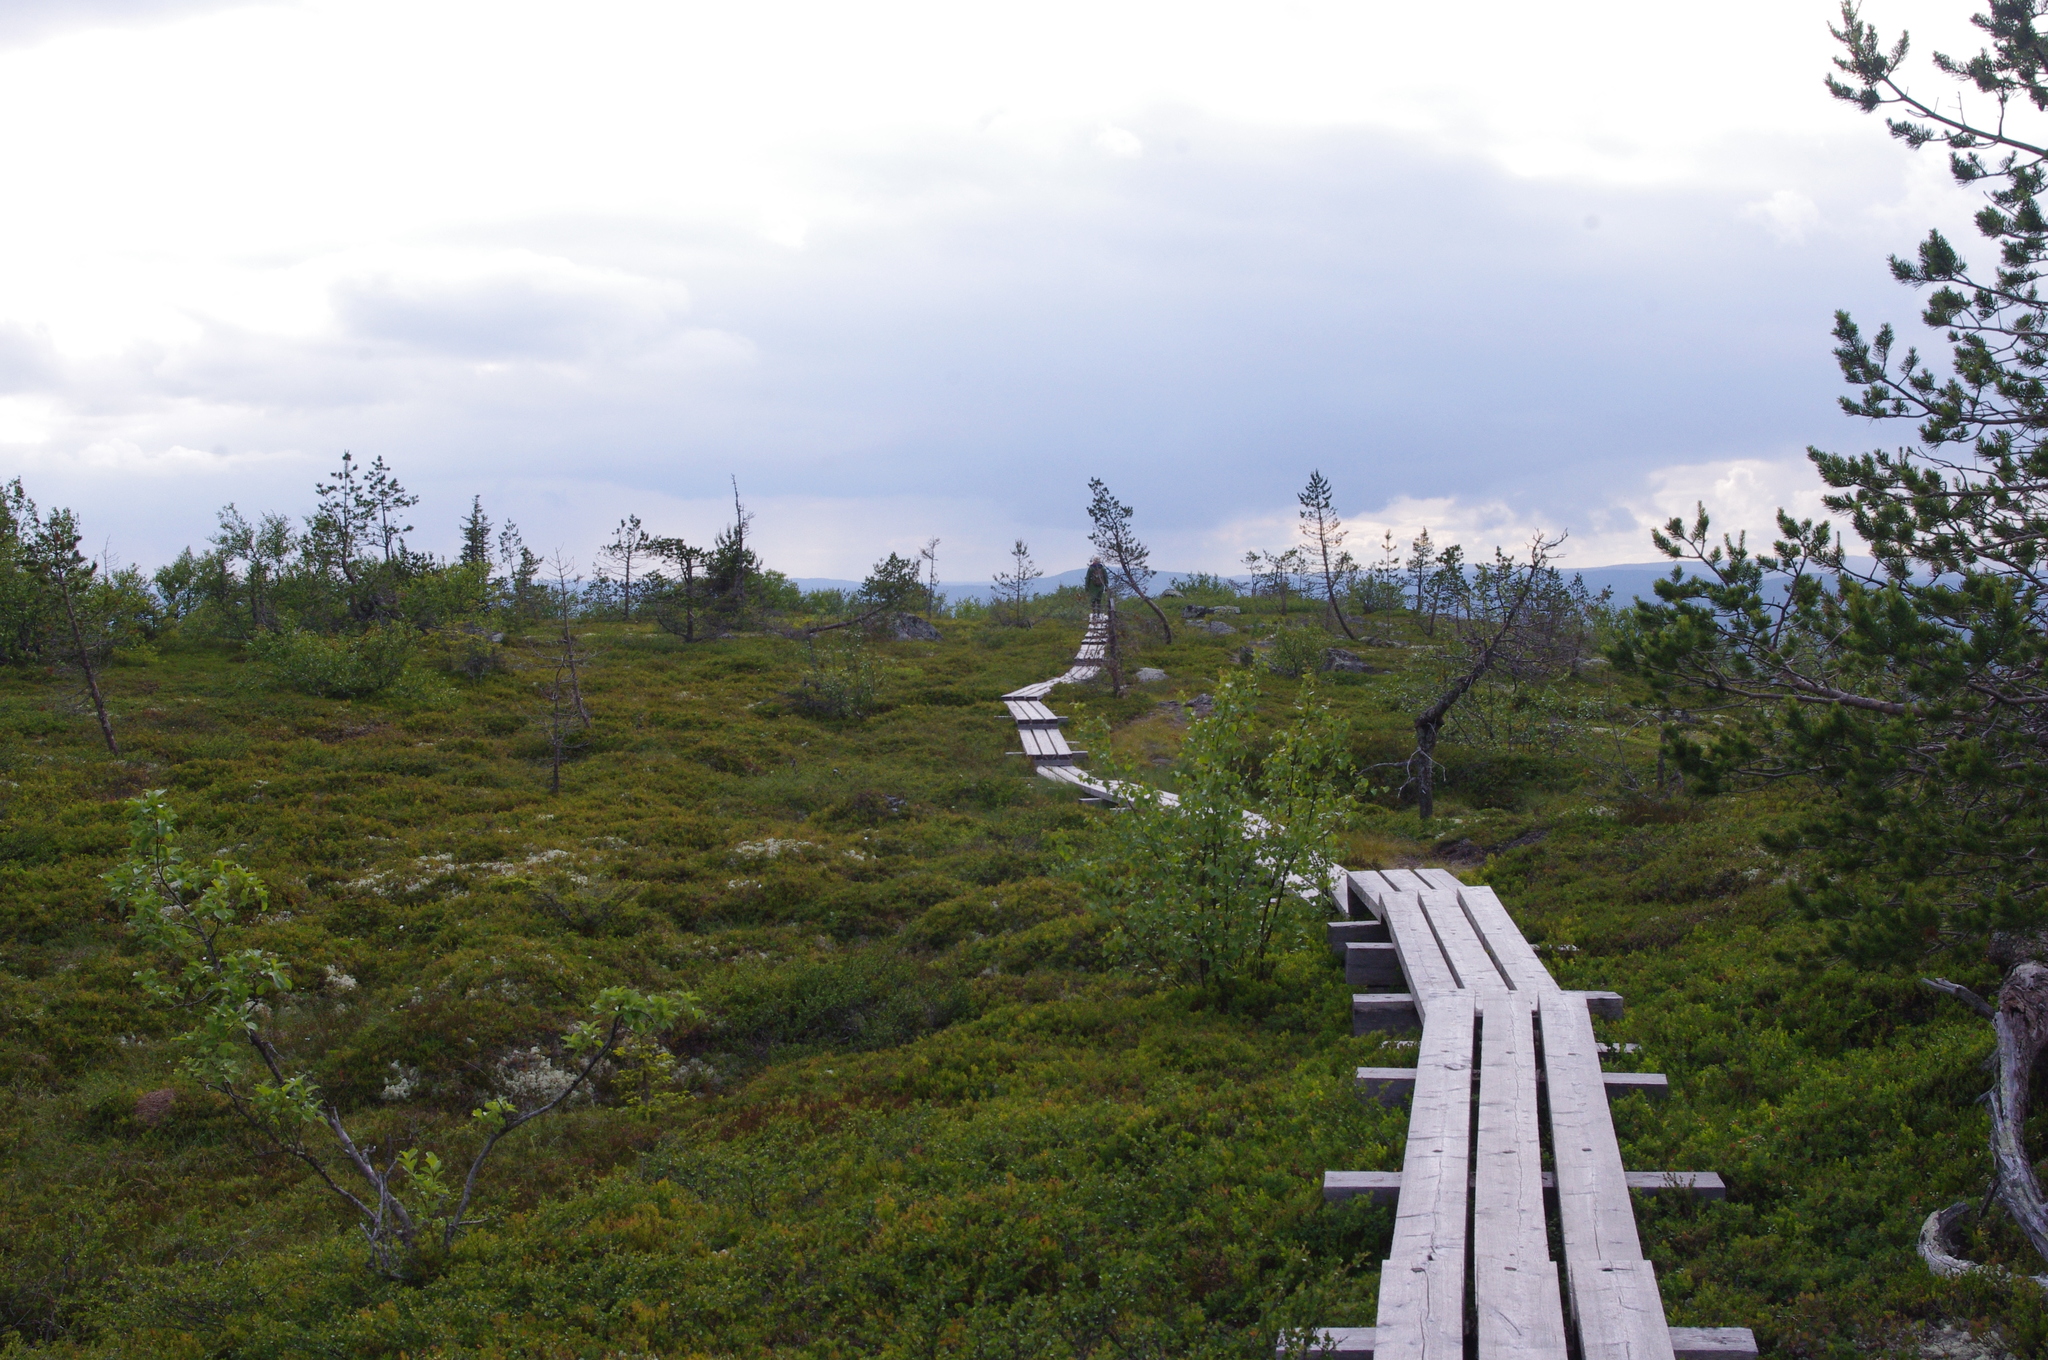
x=1341, y=933
x=1032, y=713
x=1618, y=1313
x=1404, y=880
x=1327, y=1343
x=1422, y=1281
x=1371, y=964
x=1381, y=1187
x=1613, y=1291
x=1703, y=1343
x=1387, y=1085
x=1698, y=1184
x=1606, y=1005
x=1368, y=887
x=1652, y=1084
x=1383, y=1010
x=1422, y=958
x=1342, y=900
x=1514, y=1281
x=1504, y=940
x=1469, y=961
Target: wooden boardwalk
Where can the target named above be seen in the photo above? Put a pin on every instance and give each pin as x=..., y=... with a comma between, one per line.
x=1506, y=1056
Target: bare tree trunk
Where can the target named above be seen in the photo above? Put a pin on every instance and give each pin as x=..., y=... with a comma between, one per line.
x=569, y=660
x=2020, y=1021
x=92, y=678
x=1330, y=588
x=1114, y=651
x=1422, y=768
x=2022, y=1025
x=1131, y=581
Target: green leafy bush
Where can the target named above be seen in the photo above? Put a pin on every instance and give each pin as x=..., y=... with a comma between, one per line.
x=351, y=666
x=840, y=683
x=1297, y=651
x=1209, y=890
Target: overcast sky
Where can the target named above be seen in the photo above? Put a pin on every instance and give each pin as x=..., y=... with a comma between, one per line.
x=920, y=270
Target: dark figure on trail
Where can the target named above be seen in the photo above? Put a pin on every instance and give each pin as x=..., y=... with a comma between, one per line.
x=1098, y=581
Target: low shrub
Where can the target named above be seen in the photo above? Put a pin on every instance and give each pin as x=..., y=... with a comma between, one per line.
x=351, y=666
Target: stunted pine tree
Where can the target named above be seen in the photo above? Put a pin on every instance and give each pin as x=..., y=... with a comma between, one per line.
x=1323, y=535
x=1013, y=587
x=1128, y=557
x=67, y=575
x=1912, y=694
x=476, y=535
x=677, y=613
x=628, y=549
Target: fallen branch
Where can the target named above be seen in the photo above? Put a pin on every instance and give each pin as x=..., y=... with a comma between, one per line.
x=1962, y=994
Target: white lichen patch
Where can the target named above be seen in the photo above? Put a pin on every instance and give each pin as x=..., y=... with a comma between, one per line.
x=528, y=1077
x=773, y=849
x=424, y=870
x=404, y=1081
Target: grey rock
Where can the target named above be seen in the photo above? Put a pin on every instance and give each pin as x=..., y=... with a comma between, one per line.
x=1337, y=659
x=1148, y=675
x=1219, y=627
x=911, y=628
x=1192, y=612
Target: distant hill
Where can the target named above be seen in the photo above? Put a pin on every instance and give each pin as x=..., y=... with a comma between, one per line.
x=1626, y=579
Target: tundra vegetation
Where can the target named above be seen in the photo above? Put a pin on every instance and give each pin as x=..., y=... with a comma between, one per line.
x=929, y=1080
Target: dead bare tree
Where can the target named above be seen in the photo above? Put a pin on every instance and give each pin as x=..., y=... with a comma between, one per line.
x=2020, y=1020
x=1112, y=536
x=562, y=655
x=1504, y=630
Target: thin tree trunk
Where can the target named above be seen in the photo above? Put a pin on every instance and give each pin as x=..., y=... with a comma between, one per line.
x=92, y=679
x=569, y=660
x=1131, y=581
x=1425, y=773
x=1330, y=588
x=1116, y=669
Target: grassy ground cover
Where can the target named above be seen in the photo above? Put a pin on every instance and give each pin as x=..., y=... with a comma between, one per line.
x=925, y=1114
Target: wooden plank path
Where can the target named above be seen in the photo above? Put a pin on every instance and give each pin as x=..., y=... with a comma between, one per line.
x=1506, y=1056
x=1488, y=1007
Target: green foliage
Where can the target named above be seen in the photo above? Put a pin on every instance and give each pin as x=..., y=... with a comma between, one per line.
x=1206, y=890
x=1204, y=588
x=348, y=666
x=192, y=913
x=839, y=683
x=1297, y=651
x=1908, y=691
x=928, y=1108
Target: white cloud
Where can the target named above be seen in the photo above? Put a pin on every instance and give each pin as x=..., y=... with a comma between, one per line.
x=1121, y=143
x=1787, y=214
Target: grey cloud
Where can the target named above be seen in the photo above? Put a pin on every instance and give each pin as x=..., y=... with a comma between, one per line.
x=28, y=362
x=1200, y=327
x=507, y=317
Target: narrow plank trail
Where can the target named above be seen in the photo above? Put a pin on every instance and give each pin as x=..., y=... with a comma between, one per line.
x=1508, y=1129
